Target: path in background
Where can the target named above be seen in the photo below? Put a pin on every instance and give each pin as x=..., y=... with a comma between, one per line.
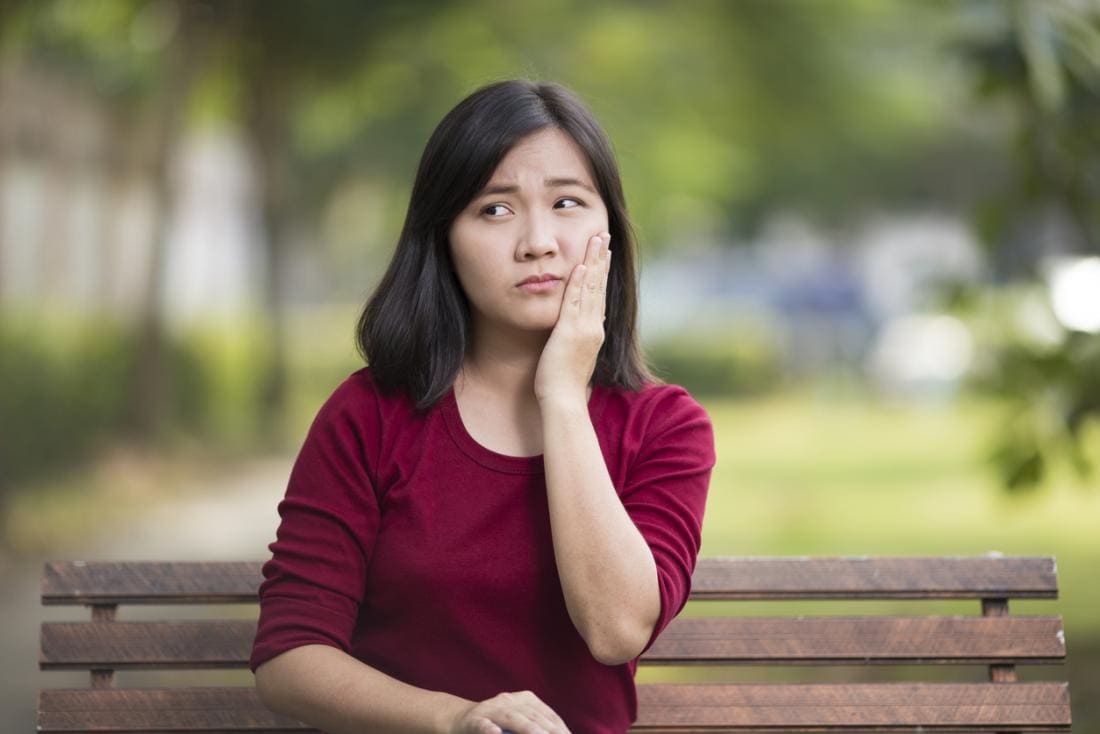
x=234, y=520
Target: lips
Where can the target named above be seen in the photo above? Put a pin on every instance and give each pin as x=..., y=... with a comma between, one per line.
x=538, y=279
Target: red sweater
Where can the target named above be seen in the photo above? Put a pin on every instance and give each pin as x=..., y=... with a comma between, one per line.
x=412, y=547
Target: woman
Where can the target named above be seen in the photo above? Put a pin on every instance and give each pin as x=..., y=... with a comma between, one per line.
x=488, y=525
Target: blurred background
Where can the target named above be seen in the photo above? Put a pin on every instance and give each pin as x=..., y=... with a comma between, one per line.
x=870, y=235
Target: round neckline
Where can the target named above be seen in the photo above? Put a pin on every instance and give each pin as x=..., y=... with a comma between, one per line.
x=492, y=459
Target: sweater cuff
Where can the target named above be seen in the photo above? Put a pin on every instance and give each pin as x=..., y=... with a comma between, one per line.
x=286, y=623
x=673, y=600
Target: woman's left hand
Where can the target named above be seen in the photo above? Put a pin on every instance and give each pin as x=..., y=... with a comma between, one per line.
x=569, y=357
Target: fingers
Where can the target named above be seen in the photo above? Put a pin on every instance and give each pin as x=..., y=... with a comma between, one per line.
x=520, y=712
x=598, y=262
x=588, y=282
x=575, y=291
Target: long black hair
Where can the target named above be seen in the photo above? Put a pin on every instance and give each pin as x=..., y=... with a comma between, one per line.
x=415, y=328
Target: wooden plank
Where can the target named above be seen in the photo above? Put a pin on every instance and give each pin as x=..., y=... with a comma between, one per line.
x=965, y=707
x=146, y=645
x=746, y=640
x=105, y=582
x=150, y=582
x=875, y=578
x=860, y=640
x=158, y=710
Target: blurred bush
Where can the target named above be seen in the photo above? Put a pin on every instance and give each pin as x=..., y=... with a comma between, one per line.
x=68, y=393
x=717, y=364
x=1046, y=378
x=60, y=397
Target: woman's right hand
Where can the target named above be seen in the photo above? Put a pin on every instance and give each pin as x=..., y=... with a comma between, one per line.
x=520, y=713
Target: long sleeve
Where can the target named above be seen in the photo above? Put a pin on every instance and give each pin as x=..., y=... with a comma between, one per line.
x=665, y=494
x=314, y=583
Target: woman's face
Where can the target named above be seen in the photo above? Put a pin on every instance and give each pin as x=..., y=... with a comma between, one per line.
x=533, y=218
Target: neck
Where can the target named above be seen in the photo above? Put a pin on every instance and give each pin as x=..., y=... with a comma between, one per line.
x=506, y=364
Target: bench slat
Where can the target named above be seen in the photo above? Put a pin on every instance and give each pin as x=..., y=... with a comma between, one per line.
x=854, y=707
x=969, y=707
x=875, y=578
x=727, y=640
x=157, y=710
x=860, y=640
x=150, y=582
x=146, y=645
x=107, y=582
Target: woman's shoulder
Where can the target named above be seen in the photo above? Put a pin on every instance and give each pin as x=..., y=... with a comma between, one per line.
x=361, y=398
x=655, y=404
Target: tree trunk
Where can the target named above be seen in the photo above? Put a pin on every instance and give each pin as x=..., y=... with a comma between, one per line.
x=267, y=122
x=152, y=384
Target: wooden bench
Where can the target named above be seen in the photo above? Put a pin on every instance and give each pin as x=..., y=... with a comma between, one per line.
x=990, y=638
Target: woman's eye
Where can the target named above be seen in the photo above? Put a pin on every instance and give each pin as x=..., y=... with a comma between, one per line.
x=489, y=209
x=576, y=203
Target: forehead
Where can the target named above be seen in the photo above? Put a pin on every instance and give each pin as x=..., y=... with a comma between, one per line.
x=548, y=152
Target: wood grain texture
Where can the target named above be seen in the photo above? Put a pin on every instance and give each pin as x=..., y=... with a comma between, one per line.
x=854, y=707
x=158, y=710
x=105, y=582
x=146, y=645
x=875, y=578
x=150, y=582
x=737, y=640
x=972, y=707
x=859, y=640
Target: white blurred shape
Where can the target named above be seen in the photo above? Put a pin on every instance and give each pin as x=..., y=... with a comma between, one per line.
x=1075, y=293
x=915, y=350
x=214, y=261
x=904, y=259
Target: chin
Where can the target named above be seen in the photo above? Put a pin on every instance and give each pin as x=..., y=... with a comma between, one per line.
x=537, y=319
x=535, y=323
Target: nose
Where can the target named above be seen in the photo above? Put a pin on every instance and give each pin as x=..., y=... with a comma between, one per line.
x=537, y=239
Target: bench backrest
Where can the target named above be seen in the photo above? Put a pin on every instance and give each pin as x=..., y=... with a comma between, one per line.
x=991, y=638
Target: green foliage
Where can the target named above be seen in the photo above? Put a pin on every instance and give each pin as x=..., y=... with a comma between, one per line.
x=1053, y=397
x=1040, y=61
x=717, y=365
x=59, y=402
x=68, y=392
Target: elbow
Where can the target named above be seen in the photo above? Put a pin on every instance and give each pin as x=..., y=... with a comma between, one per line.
x=275, y=685
x=618, y=647
x=265, y=687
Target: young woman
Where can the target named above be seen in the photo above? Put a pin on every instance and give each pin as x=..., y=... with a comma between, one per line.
x=488, y=524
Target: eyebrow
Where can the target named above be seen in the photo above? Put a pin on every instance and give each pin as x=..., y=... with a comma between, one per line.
x=550, y=183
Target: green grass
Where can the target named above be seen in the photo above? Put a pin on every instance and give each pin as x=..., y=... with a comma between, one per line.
x=802, y=474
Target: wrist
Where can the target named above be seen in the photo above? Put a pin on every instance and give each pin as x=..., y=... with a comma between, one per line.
x=448, y=712
x=564, y=400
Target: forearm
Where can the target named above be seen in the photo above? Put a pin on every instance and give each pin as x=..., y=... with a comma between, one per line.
x=330, y=690
x=607, y=571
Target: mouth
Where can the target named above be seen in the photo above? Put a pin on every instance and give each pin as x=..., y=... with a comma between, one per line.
x=542, y=284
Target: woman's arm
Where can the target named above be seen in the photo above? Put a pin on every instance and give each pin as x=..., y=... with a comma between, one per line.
x=608, y=573
x=333, y=691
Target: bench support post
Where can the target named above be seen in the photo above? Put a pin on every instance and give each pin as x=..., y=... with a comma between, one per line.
x=103, y=677
x=998, y=673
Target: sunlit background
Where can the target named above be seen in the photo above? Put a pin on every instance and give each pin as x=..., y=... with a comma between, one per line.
x=870, y=238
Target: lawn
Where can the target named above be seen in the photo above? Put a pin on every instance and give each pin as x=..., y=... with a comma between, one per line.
x=810, y=474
